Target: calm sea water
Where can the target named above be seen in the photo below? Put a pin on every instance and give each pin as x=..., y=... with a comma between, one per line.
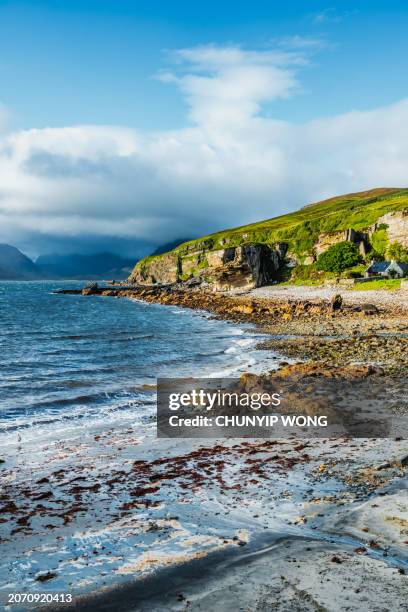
x=67, y=359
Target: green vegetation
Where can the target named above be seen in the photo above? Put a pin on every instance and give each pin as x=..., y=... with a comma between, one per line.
x=375, y=285
x=301, y=229
x=339, y=257
x=304, y=274
x=355, y=271
x=203, y=264
x=379, y=240
x=398, y=252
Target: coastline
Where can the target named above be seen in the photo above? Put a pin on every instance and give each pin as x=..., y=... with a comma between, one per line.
x=373, y=327
x=201, y=514
x=360, y=332
x=304, y=588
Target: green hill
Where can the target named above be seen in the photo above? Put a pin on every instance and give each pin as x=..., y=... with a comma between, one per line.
x=303, y=227
x=300, y=230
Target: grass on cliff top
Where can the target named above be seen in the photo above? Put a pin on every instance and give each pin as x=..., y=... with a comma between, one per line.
x=357, y=211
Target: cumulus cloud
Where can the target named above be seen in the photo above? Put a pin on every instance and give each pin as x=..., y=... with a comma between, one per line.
x=231, y=166
x=228, y=85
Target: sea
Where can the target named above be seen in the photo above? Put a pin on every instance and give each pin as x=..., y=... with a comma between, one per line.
x=69, y=362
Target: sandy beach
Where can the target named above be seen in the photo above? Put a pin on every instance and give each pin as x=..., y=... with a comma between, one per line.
x=131, y=523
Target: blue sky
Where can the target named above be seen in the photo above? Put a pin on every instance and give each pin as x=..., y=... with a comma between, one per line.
x=64, y=63
x=125, y=124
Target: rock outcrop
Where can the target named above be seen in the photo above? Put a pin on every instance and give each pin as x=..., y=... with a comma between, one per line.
x=163, y=269
x=327, y=240
x=246, y=266
x=397, y=230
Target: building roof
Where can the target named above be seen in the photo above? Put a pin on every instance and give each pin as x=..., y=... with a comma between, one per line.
x=403, y=266
x=379, y=266
x=382, y=266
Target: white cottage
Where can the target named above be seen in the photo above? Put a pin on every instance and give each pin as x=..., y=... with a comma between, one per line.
x=387, y=269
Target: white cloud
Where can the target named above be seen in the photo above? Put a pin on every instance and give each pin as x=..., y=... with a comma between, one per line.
x=232, y=166
x=226, y=85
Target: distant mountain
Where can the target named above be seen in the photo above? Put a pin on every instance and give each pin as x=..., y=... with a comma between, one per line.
x=96, y=266
x=16, y=266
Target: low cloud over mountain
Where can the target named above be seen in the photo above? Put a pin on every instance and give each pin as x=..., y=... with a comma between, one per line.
x=233, y=164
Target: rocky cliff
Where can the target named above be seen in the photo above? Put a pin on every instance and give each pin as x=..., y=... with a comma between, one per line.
x=397, y=226
x=245, y=266
x=263, y=252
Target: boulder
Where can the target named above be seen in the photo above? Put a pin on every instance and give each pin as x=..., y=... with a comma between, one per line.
x=336, y=302
x=369, y=309
x=90, y=289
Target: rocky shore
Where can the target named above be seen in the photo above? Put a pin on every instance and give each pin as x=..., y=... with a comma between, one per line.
x=332, y=338
x=336, y=329
x=313, y=524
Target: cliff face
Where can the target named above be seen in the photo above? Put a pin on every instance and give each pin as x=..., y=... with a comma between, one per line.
x=162, y=269
x=325, y=241
x=261, y=253
x=246, y=266
x=397, y=226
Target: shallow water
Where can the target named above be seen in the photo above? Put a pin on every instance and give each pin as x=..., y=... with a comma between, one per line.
x=65, y=359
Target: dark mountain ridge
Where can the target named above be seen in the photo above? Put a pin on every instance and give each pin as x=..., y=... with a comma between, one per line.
x=76, y=266
x=14, y=265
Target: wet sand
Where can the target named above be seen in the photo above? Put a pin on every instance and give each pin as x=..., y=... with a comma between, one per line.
x=173, y=524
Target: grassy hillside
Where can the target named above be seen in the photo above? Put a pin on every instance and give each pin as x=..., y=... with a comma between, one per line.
x=302, y=228
x=301, y=231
